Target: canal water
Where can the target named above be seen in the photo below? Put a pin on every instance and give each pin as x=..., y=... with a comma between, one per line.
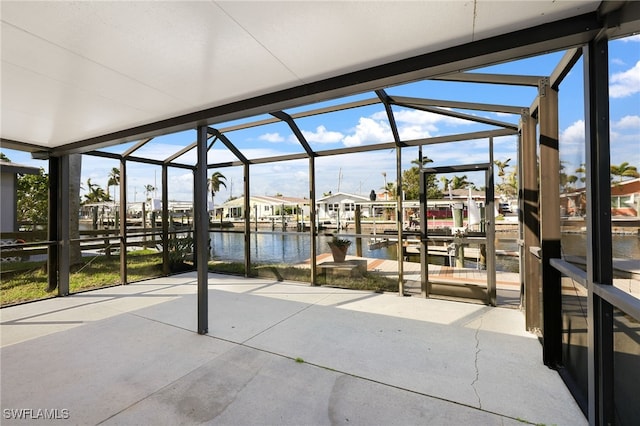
x=294, y=248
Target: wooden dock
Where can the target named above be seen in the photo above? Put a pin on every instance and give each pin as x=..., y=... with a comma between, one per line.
x=474, y=280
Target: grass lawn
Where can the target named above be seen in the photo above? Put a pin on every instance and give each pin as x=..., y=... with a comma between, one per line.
x=26, y=281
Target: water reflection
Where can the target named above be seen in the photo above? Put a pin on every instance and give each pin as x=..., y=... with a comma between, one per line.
x=295, y=248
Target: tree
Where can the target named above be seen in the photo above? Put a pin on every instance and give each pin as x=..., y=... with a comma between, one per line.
x=411, y=182
x=510, y=185
x=459, y=182
x=581, y=171
x=4, y=157
x=96, y=194
x=421, y=163
x=33, y=199
x=389, y=190
x=114, y=180
x=445, y=183
x=624, y=170
x=216, y=180
x=504, y=187
x=502, y=165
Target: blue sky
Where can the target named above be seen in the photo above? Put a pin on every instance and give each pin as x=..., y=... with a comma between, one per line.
x=359, y=173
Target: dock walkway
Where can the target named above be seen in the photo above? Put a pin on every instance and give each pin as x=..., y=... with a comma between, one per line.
x=507, y=283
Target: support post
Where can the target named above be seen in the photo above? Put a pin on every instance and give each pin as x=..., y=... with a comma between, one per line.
x=599, y=245
x=313, y=230
x=53, y=228
x=399, y=220
x=491, y=230
x=64, y=233
x=123, y=221
x=247, y=223
x=459, y=247
x=425, y=286
x=550, y=223
x=165, y=220
x=530, y=222
x=358, y=220
x=201, y=229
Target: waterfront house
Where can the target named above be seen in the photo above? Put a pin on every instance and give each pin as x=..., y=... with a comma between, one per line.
x=265, y=208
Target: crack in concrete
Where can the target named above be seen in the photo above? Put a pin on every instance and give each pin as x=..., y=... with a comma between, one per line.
x=475, y=380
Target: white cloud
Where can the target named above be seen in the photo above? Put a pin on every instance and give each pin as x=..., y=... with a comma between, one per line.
x=415, y=117
x=424, y=118
x=618, y=61
x=627, y=122
x=369, y=131
x=271, y=137
x=625, y=83
x=573, y=134
x=322, y=135
x=408, y=133
x=412, y=124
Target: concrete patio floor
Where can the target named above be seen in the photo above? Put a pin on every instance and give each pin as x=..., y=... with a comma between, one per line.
x=277, y=353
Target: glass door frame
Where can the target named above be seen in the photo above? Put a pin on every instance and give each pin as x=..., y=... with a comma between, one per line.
x=426, y=285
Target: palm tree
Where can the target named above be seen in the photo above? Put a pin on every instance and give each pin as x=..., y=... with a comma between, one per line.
x=510, y=187
x=114, y=180
x=420, y=164
x=502, y=165
x=624, y=170
x=459, y=182
x=445, y=183
x=581, y=173
x=96, y=194
x=390, y=190
x=217, y=179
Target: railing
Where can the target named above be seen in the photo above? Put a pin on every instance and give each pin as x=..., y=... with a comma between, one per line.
x=575, y=342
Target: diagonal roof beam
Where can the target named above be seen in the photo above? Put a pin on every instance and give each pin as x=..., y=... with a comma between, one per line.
x=303, y=114
x=336, y=108
x=379, y=147
x=248, y=125
x=384, y=98
x=134, y=159
x=408, y=101
x=565, y=65
x=469, y=117
x=179, y=153
x=558, y=74
x=276, y=158
x=296, y=131
x=505, y=79
x=461, y=137
x=225, y=140
x=136, y=147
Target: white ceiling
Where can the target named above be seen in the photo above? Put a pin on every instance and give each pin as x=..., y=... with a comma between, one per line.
x=77, y=70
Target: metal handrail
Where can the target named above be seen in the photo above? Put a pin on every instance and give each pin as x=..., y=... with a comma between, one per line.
x=630, y=305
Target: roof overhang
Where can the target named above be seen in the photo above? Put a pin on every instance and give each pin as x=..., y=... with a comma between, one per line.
x=81, y=75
